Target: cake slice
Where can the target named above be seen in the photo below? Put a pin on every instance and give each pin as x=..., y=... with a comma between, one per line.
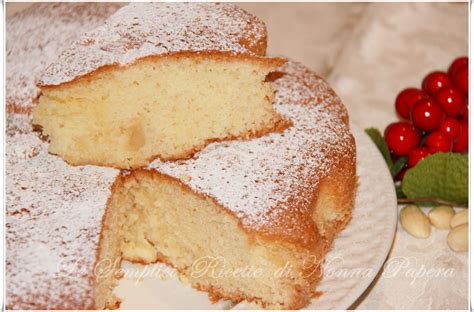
x=271, y=205
x=159, y=80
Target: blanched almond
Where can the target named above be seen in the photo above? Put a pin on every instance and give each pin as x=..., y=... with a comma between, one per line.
x=458, y=238
x=441, y=216
x=415, y=222
x=460, y=218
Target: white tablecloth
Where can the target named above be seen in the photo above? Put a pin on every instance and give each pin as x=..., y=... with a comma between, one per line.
x=393, y=47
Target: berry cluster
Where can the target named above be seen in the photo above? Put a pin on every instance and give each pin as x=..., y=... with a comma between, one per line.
x=437, y=114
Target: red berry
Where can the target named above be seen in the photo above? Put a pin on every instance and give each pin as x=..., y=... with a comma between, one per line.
x=427, y=114
x=452, y=101
x=416, y=155
x=451, y=127
x=437, y=141
x=465, y=115
x=401, y=138
x=435, y=81
x=461, y=78
x=456, y=64
x=462, y=143
x=406, y=99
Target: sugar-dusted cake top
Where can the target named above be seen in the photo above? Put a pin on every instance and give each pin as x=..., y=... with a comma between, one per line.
x=54, y=210
x=143, y=29
x=269, y=182
x=53, y=217
x=36, y=37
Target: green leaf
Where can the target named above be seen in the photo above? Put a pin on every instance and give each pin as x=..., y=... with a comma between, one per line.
x=399, y=192
x=442, y=175
x=398, y=166
x=379, y=141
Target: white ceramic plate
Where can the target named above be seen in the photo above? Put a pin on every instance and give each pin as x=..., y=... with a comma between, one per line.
x=355, y=259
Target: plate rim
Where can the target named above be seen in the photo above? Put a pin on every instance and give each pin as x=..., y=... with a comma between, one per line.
x=352, y=301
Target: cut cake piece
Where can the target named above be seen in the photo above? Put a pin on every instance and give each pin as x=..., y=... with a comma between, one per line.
x=263, y=205
x=159, y=80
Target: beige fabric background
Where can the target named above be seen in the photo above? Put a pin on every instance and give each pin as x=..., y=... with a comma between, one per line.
x=369, y=52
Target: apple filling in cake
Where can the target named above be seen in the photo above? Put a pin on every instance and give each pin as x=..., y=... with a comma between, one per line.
x=167, y=107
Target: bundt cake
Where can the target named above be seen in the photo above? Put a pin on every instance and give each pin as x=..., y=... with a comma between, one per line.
x=271, y=202
x=159, y=80
x=274, y=202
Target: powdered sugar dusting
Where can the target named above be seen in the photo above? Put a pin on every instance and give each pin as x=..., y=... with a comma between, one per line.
x=35, y=38
x=53, y=217
x=259, y=180
x=143, y=29
x=54, y=211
